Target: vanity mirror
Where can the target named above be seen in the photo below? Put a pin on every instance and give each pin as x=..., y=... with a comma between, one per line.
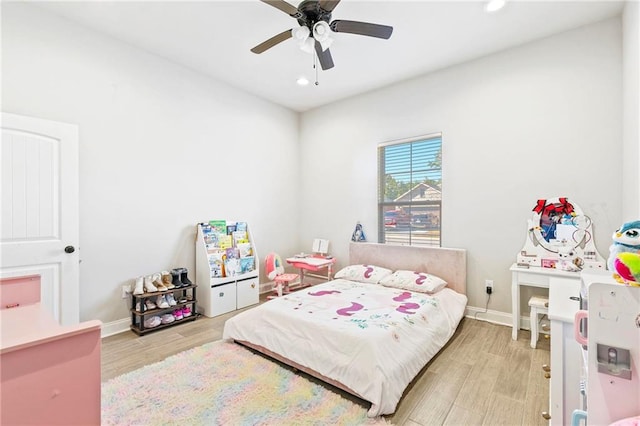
x=559, y=235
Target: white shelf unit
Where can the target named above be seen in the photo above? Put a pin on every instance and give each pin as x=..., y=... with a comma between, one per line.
x=613, y=323
x=218, y=295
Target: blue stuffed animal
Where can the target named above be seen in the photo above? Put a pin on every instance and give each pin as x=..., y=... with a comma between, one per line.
x=625, y=239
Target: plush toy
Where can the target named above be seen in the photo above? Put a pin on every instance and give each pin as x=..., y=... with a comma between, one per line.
x=568, y=259
x=627, y=268
x=625, y=240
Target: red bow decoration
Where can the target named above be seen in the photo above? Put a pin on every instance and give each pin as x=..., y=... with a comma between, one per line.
x=565, y=207
x=539, y=206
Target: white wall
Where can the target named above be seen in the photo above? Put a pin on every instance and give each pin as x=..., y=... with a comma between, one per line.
x=161, y=148
x=537, y=121
x=541, y=120
x=631, y=107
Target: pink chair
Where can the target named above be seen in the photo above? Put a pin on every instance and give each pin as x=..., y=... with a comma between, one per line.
x=275, y=272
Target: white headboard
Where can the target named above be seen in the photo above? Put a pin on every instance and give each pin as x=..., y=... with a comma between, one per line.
x=447, y=263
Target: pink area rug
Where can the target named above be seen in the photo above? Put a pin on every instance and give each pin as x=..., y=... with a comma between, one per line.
x=224, y=384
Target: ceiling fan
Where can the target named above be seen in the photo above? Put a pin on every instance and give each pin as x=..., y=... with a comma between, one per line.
x=314, y=17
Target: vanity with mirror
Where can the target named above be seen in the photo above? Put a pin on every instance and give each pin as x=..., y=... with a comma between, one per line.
x=559, y=236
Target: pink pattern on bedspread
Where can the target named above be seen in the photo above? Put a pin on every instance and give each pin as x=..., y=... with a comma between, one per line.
x=323, y=292
x=406, y=308
x=350, y=310
x=403, y=296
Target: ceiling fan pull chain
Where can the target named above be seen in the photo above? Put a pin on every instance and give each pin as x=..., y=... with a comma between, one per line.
x=315, y=66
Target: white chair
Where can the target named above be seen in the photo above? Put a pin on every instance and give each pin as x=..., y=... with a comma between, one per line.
x=537, y=306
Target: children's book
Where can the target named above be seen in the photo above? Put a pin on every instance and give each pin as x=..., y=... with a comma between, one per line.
x=241, y=226
x=231, y=228
x=225, y=241
x=219, y=226
x=246, y=264
x=216, y=264
x=240, y=237
x=232, y=253
x=244, y=249
x=232, y=267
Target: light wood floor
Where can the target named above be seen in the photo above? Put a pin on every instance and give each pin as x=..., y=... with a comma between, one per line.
x=481, y=377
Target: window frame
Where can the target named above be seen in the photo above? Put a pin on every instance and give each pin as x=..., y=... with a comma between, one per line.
x=383, y=205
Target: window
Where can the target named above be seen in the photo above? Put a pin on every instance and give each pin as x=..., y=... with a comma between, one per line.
x=410, y=191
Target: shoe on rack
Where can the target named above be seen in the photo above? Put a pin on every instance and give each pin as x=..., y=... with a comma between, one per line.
x=166, y=280
x=162, y=303
x=153, y=321
x=186, y=311
x=183, y=276
x=175, y=278
x=167, y=318
x=157, y=281
x=138, y=287
x=148, y=284
x=138, y=306
x=149, y=304
x=171, y=300
x=177, y=314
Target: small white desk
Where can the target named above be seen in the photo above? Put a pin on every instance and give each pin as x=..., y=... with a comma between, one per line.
x=533, y=277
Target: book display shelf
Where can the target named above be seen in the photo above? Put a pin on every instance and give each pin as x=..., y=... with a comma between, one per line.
x=227, y=267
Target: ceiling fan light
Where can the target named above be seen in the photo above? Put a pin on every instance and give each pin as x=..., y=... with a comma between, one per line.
x=321, y=31
x=307, y=45
x=301, y=33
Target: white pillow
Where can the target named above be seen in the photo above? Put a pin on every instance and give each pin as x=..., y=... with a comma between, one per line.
x=414, y=281
x=363, y=273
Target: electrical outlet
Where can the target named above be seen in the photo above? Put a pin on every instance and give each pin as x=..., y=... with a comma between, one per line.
x=125, y=291
x=489, y=286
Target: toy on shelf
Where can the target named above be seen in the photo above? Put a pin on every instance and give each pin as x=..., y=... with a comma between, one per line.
x=568, y=260
x=627, y=268
x=625, y=240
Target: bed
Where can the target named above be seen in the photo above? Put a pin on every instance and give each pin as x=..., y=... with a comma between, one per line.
x=368, y=339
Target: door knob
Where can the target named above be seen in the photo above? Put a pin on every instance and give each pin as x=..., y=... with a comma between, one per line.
x=69, y=249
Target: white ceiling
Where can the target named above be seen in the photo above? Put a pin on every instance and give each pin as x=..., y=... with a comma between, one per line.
x=214, y=38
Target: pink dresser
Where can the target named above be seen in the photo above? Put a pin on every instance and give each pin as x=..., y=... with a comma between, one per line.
x=50, y=374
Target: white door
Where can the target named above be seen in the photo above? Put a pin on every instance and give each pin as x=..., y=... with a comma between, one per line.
x=39, y=225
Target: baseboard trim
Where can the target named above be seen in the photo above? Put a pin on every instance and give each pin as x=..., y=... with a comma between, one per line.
x=495, y=317
x=115, y=327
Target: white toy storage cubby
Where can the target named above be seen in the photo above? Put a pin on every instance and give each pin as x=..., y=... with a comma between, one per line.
x=227, y=267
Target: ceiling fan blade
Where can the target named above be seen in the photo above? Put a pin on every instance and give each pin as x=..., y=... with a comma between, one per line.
x=362, y=28
x=285, y=7
x=328, y=5
x=326, y=61
x=285, y=35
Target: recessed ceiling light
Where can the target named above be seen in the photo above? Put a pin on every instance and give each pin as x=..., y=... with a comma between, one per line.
x=494, y=5
x=302, y=81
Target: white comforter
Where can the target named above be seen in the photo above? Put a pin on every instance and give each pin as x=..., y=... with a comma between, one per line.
x=370, y=338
